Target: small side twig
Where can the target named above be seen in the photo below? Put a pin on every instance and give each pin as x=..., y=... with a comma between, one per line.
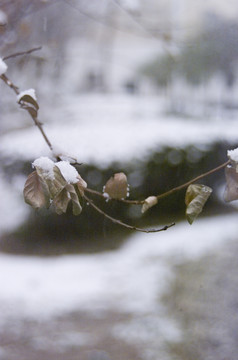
x=121, y=223
x=21, y=53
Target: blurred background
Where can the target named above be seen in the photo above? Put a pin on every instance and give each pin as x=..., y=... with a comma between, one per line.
x=148, y=88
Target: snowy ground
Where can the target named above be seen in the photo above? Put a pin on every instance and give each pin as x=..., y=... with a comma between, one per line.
x=129, y=281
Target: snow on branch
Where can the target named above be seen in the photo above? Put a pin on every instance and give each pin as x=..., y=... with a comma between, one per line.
x=3, y=67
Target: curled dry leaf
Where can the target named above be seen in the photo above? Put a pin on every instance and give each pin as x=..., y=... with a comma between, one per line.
x=36, y=191
x=117, y=186
x=29, y=103
x=231, y=190
x=148, y=203
x=61, y=201
x=195, y=199
x=55, y=183
x=58, y=183
x=77, y=208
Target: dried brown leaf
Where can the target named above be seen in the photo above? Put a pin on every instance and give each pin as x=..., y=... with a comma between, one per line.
x=36, y=192
x=117, y=186
x=26, y=98
x=195, y=199
x=56, y=183
x=77, y=208
x=81, y=185
x=28, y=103
x=61, y=201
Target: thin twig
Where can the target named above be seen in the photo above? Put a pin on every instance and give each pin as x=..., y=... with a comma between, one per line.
x=39, y=125
x=21, y=53
x=162, y=36
x=119, y=222
x=180, y=187
x=10, y=84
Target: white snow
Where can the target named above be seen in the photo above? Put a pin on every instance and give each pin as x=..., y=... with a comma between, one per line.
x=30, y=92
x=130, y=4
x=3, y=67
x=68, y=171
x=13, y=209
x=3, y=18
x=46, y=165
x=131, y=279
x=233, y=154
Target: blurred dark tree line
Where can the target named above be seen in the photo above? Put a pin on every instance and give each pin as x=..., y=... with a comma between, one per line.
x=213, y=51
x=47, y=233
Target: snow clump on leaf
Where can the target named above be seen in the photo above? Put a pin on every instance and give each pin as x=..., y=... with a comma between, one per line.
x=3, y=67
x=27, y=100
x=233, y=155
x=3, y=18
x=29, y=92
x=68, y=171
x=46, y=165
